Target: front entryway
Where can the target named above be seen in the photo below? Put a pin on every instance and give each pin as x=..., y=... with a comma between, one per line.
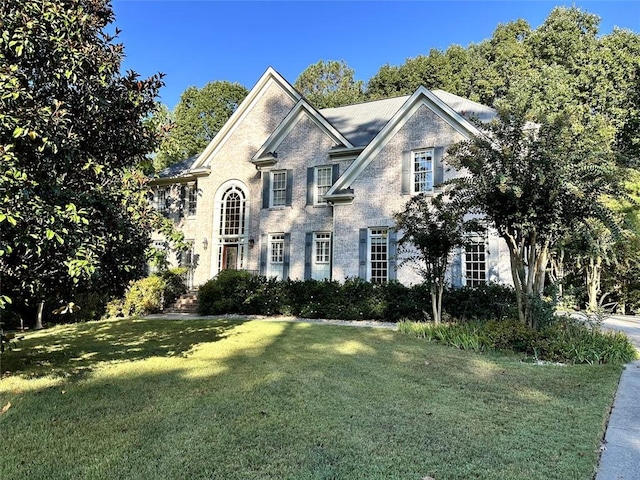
x=230, y=257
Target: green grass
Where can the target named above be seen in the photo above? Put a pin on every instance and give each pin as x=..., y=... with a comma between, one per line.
x=224, y=399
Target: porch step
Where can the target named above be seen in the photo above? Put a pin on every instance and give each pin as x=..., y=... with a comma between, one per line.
x=186, y=303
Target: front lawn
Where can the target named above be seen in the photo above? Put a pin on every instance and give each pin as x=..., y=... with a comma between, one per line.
x=224, y=399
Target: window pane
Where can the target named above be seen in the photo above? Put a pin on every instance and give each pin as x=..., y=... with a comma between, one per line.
x=279, y=188
x=232, y=213
x=378, y=255
x=323, y=182
x=475, y=263
x=323, y=248
x=277, y=249
x=423, y=171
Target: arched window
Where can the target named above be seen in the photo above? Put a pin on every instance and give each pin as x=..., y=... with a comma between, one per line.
x=232, y=212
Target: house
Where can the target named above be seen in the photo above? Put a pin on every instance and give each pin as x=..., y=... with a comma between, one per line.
x=290, y=191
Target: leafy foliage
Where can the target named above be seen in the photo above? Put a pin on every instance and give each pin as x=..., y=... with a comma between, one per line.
x=73, y=207
x=431, y=228
x=197, y=118
x=565, y=341
x=329, y=84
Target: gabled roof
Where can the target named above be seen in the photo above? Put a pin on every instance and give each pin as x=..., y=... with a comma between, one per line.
x=179, y=169
x=302, y=108
x=361, y=122
x=432, y=100
x=269, y=77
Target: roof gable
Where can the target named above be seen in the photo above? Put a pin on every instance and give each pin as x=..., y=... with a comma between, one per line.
x=421, y=97
x=302, y=108
x=269, y=78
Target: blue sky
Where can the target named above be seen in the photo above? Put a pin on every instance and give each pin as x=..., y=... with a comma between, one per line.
x=195, y=42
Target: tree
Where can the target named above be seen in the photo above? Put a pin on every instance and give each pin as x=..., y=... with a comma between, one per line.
x=534, y=183
x=431, y=228
x=329, y=84
x=197, y=118
x=74, y=211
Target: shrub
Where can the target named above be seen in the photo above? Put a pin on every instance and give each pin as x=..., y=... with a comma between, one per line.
x=565, y=341
x=147, y=295
x=484, y=302
x=173, y=284
x=226, y=293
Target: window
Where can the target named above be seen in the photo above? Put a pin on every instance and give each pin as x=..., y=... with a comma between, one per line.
x=232, y=212
x=278, y=189
x=163, y=204
x=192, y=199
x=276, y=256
x=323, y=182
x=422, y=171
x=475, y=262
x=321, y=268
x=378, y=255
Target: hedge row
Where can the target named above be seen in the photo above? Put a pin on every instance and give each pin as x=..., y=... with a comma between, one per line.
x=238, y=292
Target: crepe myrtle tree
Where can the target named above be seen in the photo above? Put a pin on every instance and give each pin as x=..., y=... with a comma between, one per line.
x=430, y=229
x=535, y=183
x=73, y=130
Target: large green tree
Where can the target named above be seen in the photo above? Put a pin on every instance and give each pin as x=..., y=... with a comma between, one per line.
x=73, y=211
x=197, y=118
x=534, y=183
x=330, y=84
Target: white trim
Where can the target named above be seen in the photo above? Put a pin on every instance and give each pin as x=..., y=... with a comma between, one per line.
x=270, y=77
x=421, y=97
x=290, y=121
x=218, y=241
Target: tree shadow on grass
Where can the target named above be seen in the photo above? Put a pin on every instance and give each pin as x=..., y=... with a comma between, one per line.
x=77, y=348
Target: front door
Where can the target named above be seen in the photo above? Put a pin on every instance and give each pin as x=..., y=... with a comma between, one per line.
x=230, y=257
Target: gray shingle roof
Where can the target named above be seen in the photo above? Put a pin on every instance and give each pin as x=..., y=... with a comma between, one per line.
x=361, y=122
x=178, y=169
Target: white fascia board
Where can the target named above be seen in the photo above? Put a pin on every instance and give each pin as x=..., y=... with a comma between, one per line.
x=422, y=96
x=290, y=121
x=268, y=78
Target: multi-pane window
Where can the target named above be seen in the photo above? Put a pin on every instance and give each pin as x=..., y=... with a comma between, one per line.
x=278, y=189
x=322, y=248
x=232, y=212
x=277, y=249
x=476, y=263
x=276, y=255
x=323, y=182
x=192, y=199
x=422, y=171
x=162, y=200
x=378, y=255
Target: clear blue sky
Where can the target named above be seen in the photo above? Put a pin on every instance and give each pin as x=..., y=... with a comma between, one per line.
x=195, y=42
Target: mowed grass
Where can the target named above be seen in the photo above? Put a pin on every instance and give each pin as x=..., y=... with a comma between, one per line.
x=224, y=399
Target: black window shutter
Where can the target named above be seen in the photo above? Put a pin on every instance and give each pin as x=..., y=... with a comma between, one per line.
x=310, y=185
x=289, y=192
x=406, y=173
x=393, y=255
x=286, y=260
x=266, y=177
x=362, y=271
x=264, y=239
x=335, y=173
x=438, y=166
x=308, y=252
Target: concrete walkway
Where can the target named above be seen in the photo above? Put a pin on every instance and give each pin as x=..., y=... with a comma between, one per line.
x=620, y=458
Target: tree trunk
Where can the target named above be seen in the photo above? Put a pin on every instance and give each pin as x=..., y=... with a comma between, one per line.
x=39, y=316
x=593, y=273
x=434, y=304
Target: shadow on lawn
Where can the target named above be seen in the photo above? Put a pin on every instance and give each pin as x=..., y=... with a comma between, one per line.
x=288, y=400
x=78, y=347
